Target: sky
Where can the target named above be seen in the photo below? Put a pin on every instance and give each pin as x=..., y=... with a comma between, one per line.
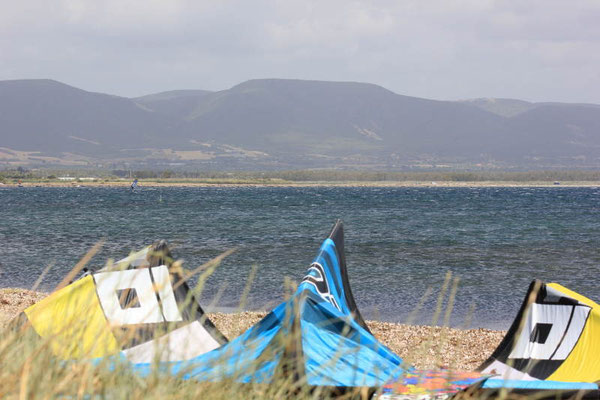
x=536, y=50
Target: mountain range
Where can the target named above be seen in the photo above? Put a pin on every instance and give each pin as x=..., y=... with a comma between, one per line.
x=278, y=123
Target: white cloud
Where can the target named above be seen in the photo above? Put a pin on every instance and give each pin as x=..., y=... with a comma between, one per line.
x=539, y=50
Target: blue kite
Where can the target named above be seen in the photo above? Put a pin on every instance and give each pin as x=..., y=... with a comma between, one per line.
x=317, y=337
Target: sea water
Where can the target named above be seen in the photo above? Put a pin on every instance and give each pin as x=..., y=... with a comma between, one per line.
x=400, y=242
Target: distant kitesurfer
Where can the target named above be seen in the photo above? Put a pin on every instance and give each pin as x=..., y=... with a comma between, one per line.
x=134, y=184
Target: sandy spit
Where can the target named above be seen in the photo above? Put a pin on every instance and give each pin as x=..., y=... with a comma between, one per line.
x=421, y=346
x=148, y=184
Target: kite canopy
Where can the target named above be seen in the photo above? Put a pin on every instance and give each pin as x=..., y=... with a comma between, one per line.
x=550, y=352
x=551, y=349
x=555, y=337
x=316, y=338
x=141, y=306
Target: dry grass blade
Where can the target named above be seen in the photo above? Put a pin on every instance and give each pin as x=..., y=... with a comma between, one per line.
x=79, y=266
x=247, y=287
x=210, y=265
x=23, y=392
x=38, y=281
x=413, y=315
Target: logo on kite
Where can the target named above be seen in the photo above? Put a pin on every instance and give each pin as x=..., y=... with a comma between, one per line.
x=551, y=332
x=316, y=277
x=147, y=288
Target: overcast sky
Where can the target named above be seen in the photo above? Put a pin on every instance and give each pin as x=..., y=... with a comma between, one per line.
x=542, y=50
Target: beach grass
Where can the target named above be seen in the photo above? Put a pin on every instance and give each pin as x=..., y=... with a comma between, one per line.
x=29, y=368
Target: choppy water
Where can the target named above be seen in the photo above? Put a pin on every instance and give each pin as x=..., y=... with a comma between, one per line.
x=399, y=241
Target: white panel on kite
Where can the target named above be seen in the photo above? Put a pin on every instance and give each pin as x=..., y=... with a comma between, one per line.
x=580, y=315
x=506, y=372
x=162, y=283
x=184, y=343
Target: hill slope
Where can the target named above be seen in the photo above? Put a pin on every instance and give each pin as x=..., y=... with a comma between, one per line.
x=339, y=118
x=175, y=103
x=51, y=117
x=292, y=123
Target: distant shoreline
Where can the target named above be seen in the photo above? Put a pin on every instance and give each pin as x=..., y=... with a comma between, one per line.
x=250, y=183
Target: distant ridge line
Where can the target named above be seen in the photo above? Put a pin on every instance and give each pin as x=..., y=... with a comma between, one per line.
x=291, y=123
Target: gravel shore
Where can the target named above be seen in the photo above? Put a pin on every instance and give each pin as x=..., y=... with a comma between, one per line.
x=421, y=346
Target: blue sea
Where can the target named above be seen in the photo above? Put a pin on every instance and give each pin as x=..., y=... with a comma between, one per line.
x=400, y=242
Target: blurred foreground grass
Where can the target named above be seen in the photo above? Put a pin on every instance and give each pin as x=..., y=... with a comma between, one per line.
x=29, y=369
